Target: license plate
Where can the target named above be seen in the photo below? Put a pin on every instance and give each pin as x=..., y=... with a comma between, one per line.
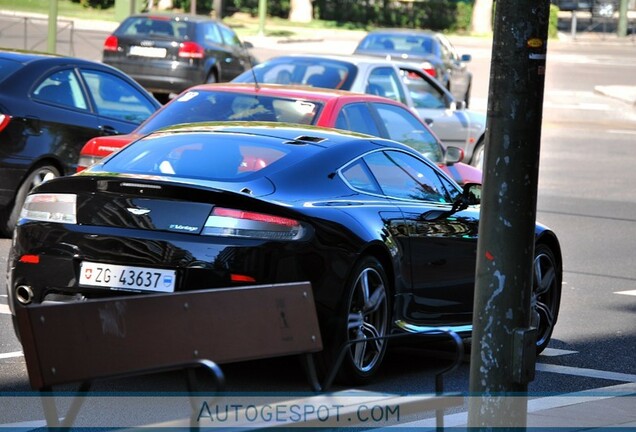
x=147, y=51
x=128, y=278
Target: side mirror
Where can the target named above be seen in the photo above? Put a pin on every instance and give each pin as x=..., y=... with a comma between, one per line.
x=453, y=155
x=248, y=45
x=466, y=57
x=457, y=105
x=472, y=193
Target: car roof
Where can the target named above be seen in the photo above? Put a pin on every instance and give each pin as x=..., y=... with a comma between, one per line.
x=173, y=16
x=316, y=94
x=403, y=31
x=314, y=135
x=354, y=59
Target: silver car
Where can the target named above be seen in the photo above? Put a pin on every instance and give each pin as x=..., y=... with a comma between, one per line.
x=401, y=81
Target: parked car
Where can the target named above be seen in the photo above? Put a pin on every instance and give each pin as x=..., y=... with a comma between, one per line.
x=432, y=51
x=167, y=53
x=362, y=113
x=398, y=80
x=386, y=239
x=49, y=107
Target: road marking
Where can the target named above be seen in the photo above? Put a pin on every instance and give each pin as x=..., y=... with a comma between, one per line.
x=553, y=352
x=4, y=309
x=583, y=372
x=11, y=355
x=622, y=131
x=632, y=292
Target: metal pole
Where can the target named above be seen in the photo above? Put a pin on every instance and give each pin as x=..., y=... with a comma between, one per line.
x=573, y=26
x=262, y=12
x=52, y=35
x=622, y=19
x=504, y=343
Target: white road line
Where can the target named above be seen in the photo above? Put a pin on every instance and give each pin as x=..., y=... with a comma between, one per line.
x=4, y=309
x=622, y=131
x=583, y=372
x=632, y=292
x=553, y=352
x=11, y=355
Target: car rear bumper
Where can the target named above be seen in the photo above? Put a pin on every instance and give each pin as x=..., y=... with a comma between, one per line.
x=163, y=77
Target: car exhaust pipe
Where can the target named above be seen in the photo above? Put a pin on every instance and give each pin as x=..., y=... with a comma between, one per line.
x=24, y=294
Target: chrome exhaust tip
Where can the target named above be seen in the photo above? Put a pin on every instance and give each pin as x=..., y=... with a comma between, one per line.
x=24, y=294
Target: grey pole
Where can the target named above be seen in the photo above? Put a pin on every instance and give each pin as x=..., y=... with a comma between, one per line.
x=504, y=343
x=52, y=33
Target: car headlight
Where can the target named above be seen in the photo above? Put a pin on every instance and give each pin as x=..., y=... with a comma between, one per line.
x=60, y=208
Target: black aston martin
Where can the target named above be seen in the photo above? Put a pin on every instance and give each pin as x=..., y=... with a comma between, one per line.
x=386, y=239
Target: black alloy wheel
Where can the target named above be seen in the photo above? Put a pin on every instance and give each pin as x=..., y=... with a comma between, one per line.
x=365, y=321
x=546, y=294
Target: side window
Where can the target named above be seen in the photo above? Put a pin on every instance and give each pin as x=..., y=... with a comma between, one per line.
x=404, y=127
x=211, y=33
x=357, y=117
x=229, y=37
x=62, y=88
x=358, y=176
x=402, y=176
x=384, y=81
x=115, y=98
x=423, y=93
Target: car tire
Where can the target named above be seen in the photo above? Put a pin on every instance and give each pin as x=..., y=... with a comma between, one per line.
x=478, y=156
x=364, y=313
x=546, y=294
x=37, y=176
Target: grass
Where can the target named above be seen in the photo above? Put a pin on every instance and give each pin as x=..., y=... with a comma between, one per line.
x=65, y=8
x=243, y=24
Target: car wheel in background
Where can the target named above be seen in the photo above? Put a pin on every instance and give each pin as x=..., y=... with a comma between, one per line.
x=37, y=176
x=478, y=156
x=364, y=315
x=546, y=294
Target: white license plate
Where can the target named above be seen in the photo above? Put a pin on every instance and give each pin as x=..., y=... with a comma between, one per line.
x=119, y=277
x=147, y=51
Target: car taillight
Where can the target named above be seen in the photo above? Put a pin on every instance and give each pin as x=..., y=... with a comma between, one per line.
x=111, y=43
x=429, y=69
x=51, y=207
x=4, y=121
x=85, y=161
x=226, y=222
x=190, y=50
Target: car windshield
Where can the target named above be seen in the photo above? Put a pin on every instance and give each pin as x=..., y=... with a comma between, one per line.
x=312, y=71
x=206, y=106
x=405, y=44
x=154, y=26
x=215, y=156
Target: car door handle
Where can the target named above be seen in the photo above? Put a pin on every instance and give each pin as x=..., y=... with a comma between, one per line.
x=108, y=130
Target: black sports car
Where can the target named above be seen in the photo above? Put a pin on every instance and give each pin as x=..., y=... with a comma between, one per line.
x=386, y=239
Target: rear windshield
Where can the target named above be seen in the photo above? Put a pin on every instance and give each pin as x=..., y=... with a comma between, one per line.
x=216, y=156
x=400, y=43
x=312, y=71
x=207, y=106
x=156, y=26
x=7, y=68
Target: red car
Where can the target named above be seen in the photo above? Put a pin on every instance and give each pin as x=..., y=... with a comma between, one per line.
x=364, y=113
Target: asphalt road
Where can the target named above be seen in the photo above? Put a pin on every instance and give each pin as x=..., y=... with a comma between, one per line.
x=585, y=195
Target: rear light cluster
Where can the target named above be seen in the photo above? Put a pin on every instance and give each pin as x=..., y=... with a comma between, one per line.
x=429, y=69
x=59, y=208
x=85, y=161
x=4, y=121
x=111, y=43
x=190, y=50
x=237, y=223
x=223, y=222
